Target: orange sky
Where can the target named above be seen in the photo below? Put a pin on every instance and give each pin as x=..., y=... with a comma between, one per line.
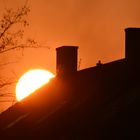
x=96, y=26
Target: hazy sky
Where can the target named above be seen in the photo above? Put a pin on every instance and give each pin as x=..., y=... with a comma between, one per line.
x=96, y=26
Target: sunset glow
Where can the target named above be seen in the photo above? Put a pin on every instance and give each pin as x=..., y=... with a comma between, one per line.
x=31, y=81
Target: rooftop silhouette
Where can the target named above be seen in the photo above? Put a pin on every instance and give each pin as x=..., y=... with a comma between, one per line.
x=100, y=102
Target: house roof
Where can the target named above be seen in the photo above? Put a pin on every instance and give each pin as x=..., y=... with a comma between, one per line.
x=67, y=107
x=100, y=102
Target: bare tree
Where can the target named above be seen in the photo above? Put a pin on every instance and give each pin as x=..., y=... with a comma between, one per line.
x=12, y=27
x=11, y=38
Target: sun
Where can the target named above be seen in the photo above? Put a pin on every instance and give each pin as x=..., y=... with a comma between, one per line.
x=31, y=81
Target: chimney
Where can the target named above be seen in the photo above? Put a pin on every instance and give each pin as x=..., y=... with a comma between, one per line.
x=132, y=52
x=66, y=63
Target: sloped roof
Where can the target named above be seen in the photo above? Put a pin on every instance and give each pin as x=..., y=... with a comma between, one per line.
x=100, y=102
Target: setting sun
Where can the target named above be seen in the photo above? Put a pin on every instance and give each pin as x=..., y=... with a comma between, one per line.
x=31, y=81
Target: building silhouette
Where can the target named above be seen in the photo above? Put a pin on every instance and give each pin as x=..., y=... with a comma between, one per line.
x=100, y=102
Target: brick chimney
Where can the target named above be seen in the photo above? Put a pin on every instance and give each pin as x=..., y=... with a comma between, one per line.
x=66, y=60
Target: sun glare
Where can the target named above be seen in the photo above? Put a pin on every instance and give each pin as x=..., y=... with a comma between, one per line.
x=31, y=81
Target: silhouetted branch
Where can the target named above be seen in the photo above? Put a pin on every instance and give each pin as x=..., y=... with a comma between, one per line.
x=3, y=84
x=13, y=17
x=12, y=38
x=7, y=63
x=6, y=94
x=22, y=47
x=7, y=100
